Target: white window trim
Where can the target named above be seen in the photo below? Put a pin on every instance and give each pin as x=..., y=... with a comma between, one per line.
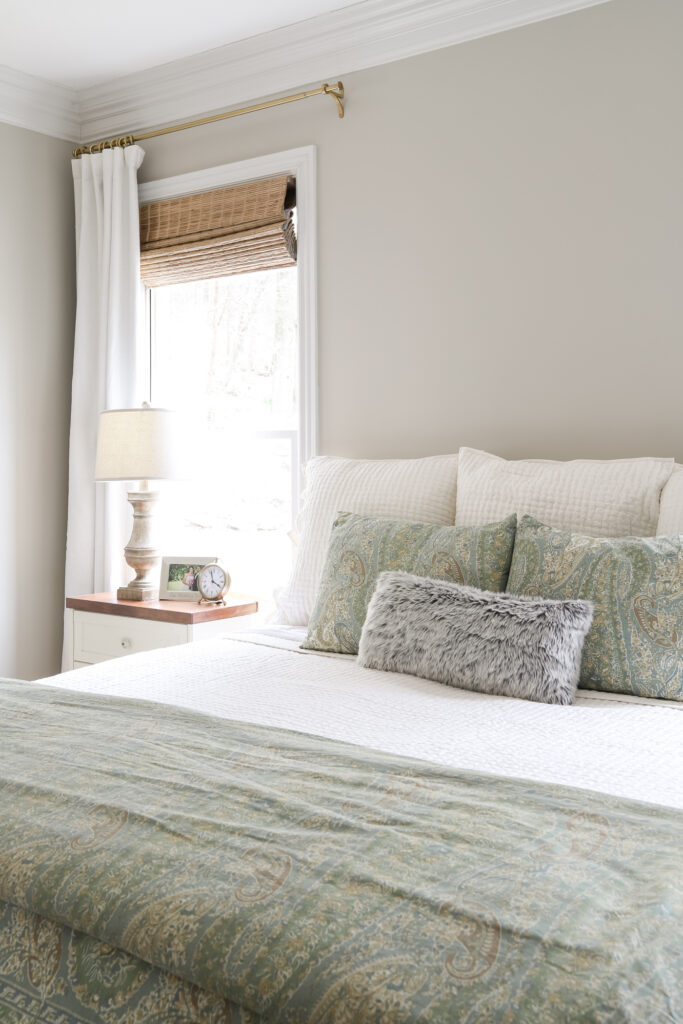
x=302, y=164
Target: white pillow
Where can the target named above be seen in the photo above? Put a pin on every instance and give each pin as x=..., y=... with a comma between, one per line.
x=670, y=522
x=421, y=490
x=618, y=498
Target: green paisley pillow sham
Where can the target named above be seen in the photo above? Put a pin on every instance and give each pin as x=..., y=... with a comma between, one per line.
x=635, y=644
x=362, y=547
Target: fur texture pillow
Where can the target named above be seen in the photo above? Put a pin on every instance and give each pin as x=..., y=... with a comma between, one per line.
x=475, y=639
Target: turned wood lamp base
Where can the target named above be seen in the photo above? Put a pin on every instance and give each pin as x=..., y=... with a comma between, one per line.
x=141, y=444
x=141, y=554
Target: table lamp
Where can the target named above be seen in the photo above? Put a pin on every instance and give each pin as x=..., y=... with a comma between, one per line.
x=139, y=444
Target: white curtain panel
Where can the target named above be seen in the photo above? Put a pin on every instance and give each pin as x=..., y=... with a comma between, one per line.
x=108, y=371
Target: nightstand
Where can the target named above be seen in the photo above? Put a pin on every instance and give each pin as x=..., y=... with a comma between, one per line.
x=99, y=627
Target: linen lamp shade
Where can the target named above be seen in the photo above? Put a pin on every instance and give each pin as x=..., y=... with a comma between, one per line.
x=139, y=444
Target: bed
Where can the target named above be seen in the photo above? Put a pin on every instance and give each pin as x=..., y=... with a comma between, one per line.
x=273, y=834
x=242, y=830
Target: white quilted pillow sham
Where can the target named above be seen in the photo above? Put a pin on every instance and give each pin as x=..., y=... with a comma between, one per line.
x=671, y=506
x=422, y=490
x=617, y=498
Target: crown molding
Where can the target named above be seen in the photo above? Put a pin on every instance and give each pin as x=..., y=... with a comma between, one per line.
x=364, y=35
x=38, y=105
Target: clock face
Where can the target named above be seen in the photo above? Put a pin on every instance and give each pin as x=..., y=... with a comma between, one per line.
x=212, y=582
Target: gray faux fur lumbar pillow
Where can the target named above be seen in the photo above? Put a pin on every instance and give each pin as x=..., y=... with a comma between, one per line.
x=478, y=640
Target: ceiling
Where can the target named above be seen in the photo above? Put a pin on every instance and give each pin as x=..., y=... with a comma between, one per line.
x=82, y=43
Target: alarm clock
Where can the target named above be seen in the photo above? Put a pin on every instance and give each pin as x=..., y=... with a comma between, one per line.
x=213, y=583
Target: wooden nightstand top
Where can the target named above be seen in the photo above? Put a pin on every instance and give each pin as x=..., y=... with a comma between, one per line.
x=182, y=612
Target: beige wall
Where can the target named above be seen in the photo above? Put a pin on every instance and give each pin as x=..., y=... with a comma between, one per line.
x=500, y=264
x=36, y=340
x=500, y=239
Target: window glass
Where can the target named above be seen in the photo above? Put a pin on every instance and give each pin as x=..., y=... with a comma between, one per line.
x=225, y=352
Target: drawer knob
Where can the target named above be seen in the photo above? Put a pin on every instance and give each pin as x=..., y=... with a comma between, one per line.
x=126, y=643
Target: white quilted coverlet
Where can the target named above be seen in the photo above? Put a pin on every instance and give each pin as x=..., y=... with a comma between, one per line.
x=422, y=490
x=615, y=744
x=617, y=498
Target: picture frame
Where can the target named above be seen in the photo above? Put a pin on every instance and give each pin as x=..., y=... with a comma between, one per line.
x=179, y=576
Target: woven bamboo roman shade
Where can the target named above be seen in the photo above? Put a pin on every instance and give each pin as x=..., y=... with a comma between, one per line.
x=214, y=234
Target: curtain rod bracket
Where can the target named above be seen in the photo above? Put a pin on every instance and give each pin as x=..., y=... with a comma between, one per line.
x=337, y=93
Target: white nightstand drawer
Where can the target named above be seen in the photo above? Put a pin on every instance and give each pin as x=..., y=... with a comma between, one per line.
x=100, y=637
x=96, y=631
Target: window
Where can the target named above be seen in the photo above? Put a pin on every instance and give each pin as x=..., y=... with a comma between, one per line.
x=237, y=354
x=226, y=352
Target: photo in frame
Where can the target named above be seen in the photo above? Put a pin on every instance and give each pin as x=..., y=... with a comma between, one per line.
x=179, y=576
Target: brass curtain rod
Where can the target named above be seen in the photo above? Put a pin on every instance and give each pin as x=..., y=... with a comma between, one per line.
x=335, y=91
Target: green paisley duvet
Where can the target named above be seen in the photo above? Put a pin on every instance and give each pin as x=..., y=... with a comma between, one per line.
x=162, y=866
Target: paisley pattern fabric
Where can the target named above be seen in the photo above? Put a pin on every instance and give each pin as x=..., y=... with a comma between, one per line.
x=54, y=975
x=362, y=547
x=153, y=853
x=635, y=644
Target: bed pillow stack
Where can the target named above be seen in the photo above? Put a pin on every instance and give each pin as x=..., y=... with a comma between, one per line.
x=586, y=541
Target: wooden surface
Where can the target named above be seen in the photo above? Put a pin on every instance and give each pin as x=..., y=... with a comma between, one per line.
x=184, y=612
